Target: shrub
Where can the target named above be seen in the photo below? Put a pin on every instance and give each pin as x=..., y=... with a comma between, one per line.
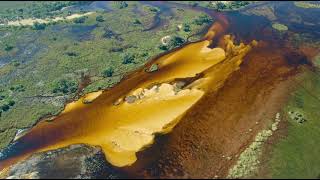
x=39, y=26
x=108, y=72
x=71, y=54
x=17, y=88
x=80, y=20
x=163, y=47
x=127, y=59
x=220, y=6
x=136, y=22
x=186, y=28
x=8, y=47
x=176, y=41
x=64, y=86
x=99, y=18
x=153, y=68
x=154, y=9
x=122, y=4
x=11, y=103
x=205, y=19
x=5, y=107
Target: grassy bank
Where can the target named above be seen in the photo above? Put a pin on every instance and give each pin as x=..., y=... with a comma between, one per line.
x=297, y=155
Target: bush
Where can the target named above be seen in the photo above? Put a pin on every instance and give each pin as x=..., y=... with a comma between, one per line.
x=186, y=28
x=176, y=41
x=127, y=59
x=205, y=19
x=154, y=9
x=108, y=33
x=5, y=107
x=11, y=103
x=136, y=22
x=39, y=26
x=108, y=72
x=122, y=4
x=8, y=47
x=71, y=54
x=99, y=18
x=80, y=20
x=17, y=88
x=64, y=86
x=220, y=6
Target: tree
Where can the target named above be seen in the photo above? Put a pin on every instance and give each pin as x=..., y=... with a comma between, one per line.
x=186, y=28
x=122, y=4
x=204, y=19
x=80, y=20
x=5, y=107
x=8, y=47
x=65, y=86
x=100, y=18
x=108, y=72
x=163, y=47
x=176, y=41
x=127, y=59
x=220, y=6
x=39, y=26
x=11, y=103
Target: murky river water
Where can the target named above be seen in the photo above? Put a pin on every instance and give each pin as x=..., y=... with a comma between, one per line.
x=145, y=104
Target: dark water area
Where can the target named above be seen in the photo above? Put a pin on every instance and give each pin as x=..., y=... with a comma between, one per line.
x=76, y=32
x=94, y=6
x=299, y=20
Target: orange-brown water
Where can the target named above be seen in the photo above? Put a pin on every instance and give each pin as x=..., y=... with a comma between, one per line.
x=123, y=127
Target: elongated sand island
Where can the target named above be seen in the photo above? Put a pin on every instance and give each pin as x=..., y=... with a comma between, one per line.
x=126, y=118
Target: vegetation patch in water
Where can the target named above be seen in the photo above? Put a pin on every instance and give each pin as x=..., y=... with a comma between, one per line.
x=280, y=27
x=306, y=5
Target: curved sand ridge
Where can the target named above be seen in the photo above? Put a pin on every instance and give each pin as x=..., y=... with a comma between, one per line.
x=125, y=119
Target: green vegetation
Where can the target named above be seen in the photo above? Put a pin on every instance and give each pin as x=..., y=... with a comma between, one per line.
x=297, y=155
x=280, y=27
x=186, y=28
x=108, y=72
x=8, y=47
x=205, y=19
x=99, y=18
x=174, y=42
x=47, y=65
x=65, y=86
x=121, y=4
x=136, y=21
x=79, y=20
x=217, y=5
x=10, y=10
x=307, y=5
x=39, y=26
x=153, y=68
x=127, y=59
